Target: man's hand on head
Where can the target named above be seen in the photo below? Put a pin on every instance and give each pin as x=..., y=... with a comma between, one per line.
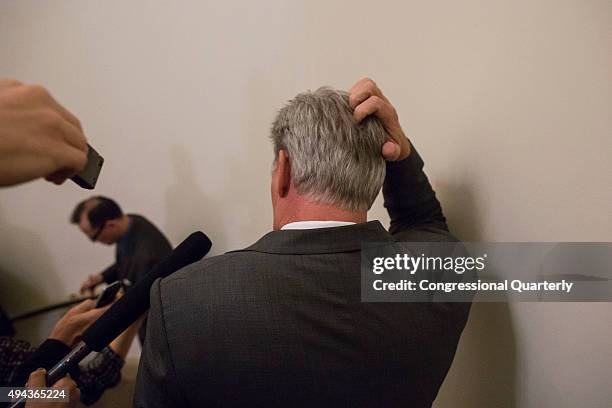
x=367, y=99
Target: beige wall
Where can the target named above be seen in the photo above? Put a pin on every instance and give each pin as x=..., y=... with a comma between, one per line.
x=508, y=102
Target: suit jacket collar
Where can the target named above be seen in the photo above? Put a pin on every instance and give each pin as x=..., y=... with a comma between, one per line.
x=320, y=240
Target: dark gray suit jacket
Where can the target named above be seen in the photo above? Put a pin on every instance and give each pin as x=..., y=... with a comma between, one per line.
x=281, y=324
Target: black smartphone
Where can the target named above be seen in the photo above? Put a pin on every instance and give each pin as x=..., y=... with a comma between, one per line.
x=89, y=176
x=108, y=294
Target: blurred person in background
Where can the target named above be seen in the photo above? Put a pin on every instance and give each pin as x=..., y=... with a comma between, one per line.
x=139, y=245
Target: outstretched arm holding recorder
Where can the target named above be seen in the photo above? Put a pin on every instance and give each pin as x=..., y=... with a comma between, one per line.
x=41, y=138
x=38, y=136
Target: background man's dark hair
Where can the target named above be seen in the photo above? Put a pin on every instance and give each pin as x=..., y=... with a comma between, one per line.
x=100, y=209
x=75, y=217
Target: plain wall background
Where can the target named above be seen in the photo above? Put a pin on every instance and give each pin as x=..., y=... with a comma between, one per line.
x=508, y=102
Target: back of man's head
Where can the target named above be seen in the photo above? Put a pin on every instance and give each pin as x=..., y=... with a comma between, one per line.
x=334, y=160
x=99, y=209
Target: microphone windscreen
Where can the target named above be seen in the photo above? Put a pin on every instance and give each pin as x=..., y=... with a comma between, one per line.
x=136, y=301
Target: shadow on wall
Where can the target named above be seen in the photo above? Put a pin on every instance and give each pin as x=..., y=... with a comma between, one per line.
x=26, y=267
x=186, y=201
x=246, y=202
x=262, y=102
x=483, y=373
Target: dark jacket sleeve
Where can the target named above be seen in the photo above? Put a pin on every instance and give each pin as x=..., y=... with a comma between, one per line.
x=157, y=384
x=409, y=198
x=45, y=356
x=110, y=273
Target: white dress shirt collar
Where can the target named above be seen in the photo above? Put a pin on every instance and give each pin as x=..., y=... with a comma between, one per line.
x=315, y=224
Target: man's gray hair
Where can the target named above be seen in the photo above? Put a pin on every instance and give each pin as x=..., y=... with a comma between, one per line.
x=334, y=160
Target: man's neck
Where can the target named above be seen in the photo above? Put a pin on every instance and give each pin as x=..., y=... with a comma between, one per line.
x=124, y=225
x=310, y=211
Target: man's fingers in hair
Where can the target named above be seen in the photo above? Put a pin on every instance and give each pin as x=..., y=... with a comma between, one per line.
x=362, y=90
x=375, y=105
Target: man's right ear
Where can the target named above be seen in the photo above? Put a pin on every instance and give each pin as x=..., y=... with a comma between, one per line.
x=283, y=173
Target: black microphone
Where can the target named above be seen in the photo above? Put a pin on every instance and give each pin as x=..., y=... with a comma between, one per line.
x=136, y=301
x=131, y=306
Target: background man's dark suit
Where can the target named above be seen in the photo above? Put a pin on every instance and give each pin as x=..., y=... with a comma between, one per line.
x=281, y=324
x=136, y=253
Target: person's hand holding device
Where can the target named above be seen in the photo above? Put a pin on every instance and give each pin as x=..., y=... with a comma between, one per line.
x=41, y=138
x=90, y=284
x=109, y=294
x=71, y=326
x=37, y=380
